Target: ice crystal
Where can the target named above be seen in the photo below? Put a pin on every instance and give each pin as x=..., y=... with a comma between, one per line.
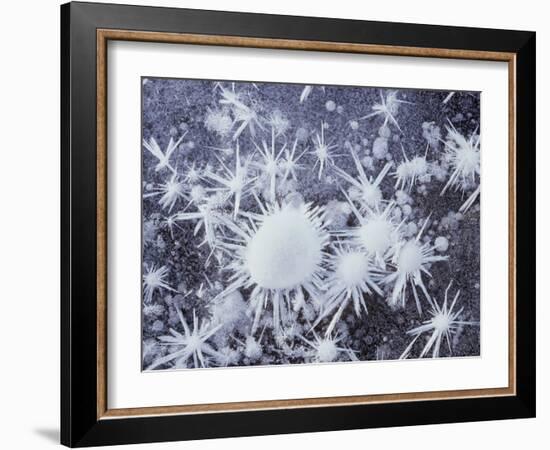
x=193, y=174
x=208, y=217
x=410, y=260
x=409, y=171
x=307, y=90
x=270, y=163
x=442, y=325
x=153, y=310
x=278, y=123
x=162, y=157
x=378, y=233
x=325, y=349
x=233, y=182
x=351, y=275
x=463, y=156
x=154, y=279
x=368, y=190
x=219, y=122
x=279, y=254
x=432, y=133
x=387, y=108
x=243, y=115
x=170, y=192
x=191, y=344
x=470, y=200
x=322, y=151
x=289, y=164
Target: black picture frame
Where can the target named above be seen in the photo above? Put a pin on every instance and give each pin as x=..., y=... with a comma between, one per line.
x=80, y=425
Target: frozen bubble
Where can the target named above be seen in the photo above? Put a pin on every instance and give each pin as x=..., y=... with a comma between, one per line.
x=407, y=210
x=412, y=228
x=340, y=109
x=368, y=163
x=301, y=134
x=397, y=213
x=384, y=131
x=380, y=148
x=330, y=105
x=252, y=350
x=441, y=244
x=157, y=326
x=354, y=124
x=402, y=197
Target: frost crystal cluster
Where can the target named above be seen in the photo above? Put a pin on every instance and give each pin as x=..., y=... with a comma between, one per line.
x=287, y=224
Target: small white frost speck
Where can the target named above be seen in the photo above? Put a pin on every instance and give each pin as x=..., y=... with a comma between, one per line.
x=330, y=105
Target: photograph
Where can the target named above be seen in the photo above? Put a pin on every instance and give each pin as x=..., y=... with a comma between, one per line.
x=280, y=221
x=297, y=224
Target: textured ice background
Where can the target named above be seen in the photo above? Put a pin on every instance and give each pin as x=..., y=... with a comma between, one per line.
x=172, y=107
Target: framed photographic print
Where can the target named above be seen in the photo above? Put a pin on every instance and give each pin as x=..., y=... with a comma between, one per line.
x=276, y=224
